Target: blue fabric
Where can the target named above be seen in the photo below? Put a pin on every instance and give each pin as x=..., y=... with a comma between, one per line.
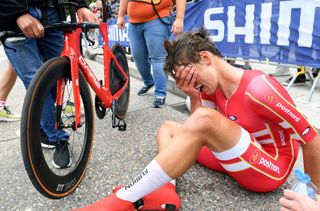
x=27, y=59
x=146, y=43
x=279, y=31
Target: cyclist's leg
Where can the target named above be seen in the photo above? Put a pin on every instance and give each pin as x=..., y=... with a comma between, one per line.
x=260, y=168
x=207, y=159
x=205, y=127
x=165, y=133
x=139, y=52
x=155, y=34
x=169, y=128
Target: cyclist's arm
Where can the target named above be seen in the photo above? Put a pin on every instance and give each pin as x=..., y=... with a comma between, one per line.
x=296, y=201
x=208, y=101
x=311, y=160
x=195, y=102
x=269, y=99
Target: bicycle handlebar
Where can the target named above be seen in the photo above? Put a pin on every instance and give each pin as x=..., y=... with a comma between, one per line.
x=64, y=26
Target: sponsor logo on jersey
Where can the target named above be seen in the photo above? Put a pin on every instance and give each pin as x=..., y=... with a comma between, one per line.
x=282, y=138
x=137, y=179
x=255, y=157
x=288, y=111
x=233, y=118
x=269, y=165
x=306, y=131
x=270, y=98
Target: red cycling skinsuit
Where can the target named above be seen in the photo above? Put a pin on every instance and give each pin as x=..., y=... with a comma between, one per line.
x=272, y=128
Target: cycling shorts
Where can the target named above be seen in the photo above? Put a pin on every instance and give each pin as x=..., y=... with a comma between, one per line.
x=255, y=167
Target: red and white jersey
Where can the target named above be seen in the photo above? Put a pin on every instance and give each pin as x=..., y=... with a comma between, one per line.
x=264, y=108
x=267, y=150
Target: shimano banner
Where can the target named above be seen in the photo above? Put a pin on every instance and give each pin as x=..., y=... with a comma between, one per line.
x=284, y=31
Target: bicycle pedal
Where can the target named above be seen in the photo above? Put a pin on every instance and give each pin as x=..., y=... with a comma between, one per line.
x=123, y=126
x=138, y=204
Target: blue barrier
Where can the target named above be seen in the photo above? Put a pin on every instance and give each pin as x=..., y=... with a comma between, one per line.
x=282, y=31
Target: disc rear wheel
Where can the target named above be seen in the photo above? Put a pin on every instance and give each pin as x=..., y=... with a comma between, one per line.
x=117, y=81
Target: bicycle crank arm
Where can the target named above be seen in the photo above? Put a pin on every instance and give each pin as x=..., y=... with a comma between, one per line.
x=121, y=125
x=70, y=125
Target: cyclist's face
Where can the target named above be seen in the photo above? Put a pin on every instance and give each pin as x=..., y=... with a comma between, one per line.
x=206, y=78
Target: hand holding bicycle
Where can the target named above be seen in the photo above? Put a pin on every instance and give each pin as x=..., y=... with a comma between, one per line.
x=85, y=14
x=30, y=26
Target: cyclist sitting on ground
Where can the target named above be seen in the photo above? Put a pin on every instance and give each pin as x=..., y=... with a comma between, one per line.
x=242, y=123
x=29, y=17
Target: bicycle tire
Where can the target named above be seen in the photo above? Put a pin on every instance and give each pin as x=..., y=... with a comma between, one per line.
x=50, y=182
x=117, y=82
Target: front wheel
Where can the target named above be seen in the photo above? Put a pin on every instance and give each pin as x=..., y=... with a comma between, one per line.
x=48, y=180
x=117, y=81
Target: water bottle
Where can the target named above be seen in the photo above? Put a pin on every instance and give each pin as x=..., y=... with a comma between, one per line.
x=303, y=184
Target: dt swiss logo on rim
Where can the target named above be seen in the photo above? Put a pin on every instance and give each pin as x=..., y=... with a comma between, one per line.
x=255, y=157
x=270, y=98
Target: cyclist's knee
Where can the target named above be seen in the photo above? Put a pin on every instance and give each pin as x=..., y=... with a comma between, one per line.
x=203, y=119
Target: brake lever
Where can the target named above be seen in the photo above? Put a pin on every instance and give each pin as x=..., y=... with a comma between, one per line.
x=85, y=30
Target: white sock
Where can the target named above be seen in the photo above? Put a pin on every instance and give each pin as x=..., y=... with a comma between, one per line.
x=150, y=179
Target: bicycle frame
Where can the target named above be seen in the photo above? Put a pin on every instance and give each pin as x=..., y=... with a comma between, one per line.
x=73, y=53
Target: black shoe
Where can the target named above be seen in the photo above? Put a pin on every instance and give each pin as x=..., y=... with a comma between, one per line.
x=45, y=143
x=61, y=156
x=159, y=102
x=144, y=89
x=300, y=80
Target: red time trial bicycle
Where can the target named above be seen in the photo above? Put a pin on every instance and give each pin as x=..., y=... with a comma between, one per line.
x=71, y=76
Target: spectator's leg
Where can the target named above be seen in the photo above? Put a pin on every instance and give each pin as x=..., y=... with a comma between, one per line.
x=8, y=78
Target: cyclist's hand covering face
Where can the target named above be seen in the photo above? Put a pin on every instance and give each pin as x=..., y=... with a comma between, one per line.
x=30, y=26
x=186, y=77
x=85, y=14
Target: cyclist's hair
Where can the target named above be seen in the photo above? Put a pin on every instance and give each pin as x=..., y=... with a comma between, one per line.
x=186, y=49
